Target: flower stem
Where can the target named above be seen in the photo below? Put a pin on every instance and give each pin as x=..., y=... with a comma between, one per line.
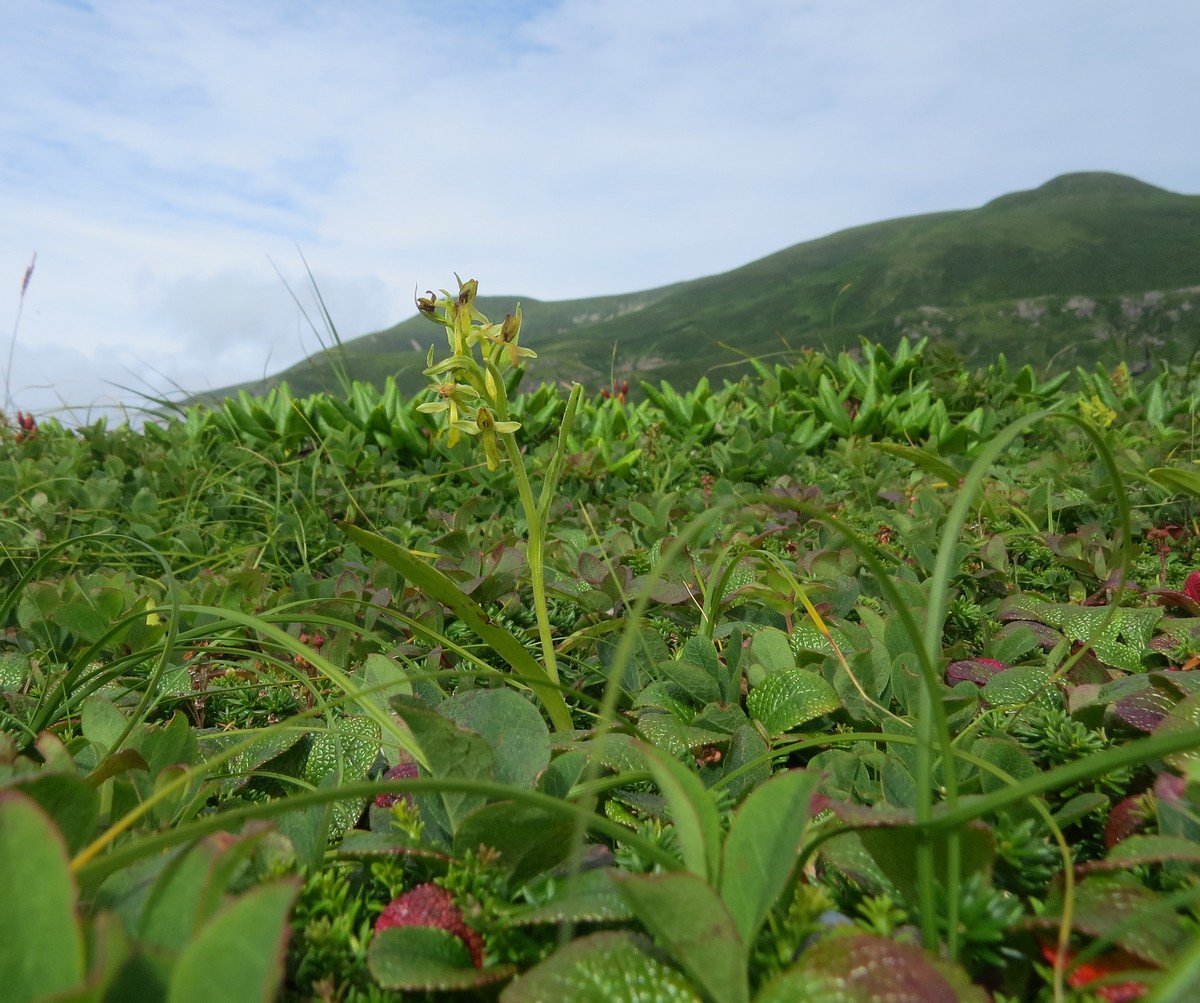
x=535, y=550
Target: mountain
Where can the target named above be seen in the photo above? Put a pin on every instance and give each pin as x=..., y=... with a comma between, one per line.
x=1087, y=267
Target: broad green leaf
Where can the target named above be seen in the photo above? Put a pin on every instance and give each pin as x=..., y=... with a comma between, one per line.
x=511, y=725
x=1120, y=637
x=238, y=955
x=689, y=921
x=1138, y=849
x=563, y=773
x=342, y=753
x=530, y=840
x=1116, y=906
x=1184, y=716
x=858, y=967
x=101, y=722
x=789, y=698
x=1023, y=684
x=1176, y=480
x=426, y=958
x=894, y=850
x=14, y=670
x=586, y=897
x=808, y=637
x=1006, y=754
x=747, y=763
x=693, y=812
x=896, y=783
x=609, y=967
x=665, y=731
x=237, y=771
x=1079, y=807
x=695, y=681
x=116, y=970
x=39, y=930
x=164, y=900
x=451, y=751
x=72, y=803
x=771, y=649
x=699, y=650
x=88, y=614
x=762, y=847
x=384, y=678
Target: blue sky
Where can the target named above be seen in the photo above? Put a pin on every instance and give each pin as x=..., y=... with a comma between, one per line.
x=164, y=160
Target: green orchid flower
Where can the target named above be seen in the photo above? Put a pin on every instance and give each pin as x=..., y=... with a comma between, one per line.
x=504, y=339
x=453, y=397
x=487, y=428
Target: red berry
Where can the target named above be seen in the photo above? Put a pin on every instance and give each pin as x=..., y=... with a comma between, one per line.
x=432, y=905
x=401, y=771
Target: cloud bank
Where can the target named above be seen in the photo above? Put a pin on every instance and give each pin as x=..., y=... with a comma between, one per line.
x=170, y=162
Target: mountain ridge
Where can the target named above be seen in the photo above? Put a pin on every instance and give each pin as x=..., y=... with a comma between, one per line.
x=1088, y=263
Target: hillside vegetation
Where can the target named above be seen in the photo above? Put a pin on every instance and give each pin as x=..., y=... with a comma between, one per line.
x=1088, y=267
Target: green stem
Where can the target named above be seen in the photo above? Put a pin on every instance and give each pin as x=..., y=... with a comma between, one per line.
x=535, y=550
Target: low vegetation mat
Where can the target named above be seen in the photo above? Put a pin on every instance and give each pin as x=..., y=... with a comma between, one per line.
x=865, y=677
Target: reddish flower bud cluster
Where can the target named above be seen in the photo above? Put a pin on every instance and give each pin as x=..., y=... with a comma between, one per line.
x=620, y=390
x=431, y=905
x=26, y=426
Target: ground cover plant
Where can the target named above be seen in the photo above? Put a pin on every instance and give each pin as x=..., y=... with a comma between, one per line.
x=864, y=677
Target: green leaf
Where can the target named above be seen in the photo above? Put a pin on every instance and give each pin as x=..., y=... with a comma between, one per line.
x=426, y=958
x=763, y=846
x=436, y=585
x=771, y=649
x=693, y=813
x=931, y=463
x=894, y=850
x=699, y=650
x=450, y=751
x=789, y=698
x=692, y=679
x=1116, y=907
x=1138, y=849
x=667, y=732
x=344, y=752
x=88, y=614
x=164, y=900
x=101, y=722
x=1176, y=480
x=1120, y=637
x=529, y=839
x=1184, y=716
x=1006, y=754
x=609, y=967
x=862, y=968
x=1023, y=684
x=689, y=921
x=586, y=897
x=746, y=749
x=238, y=955
x=72, y=803
x=39, y=930
x=511, y=725
x=384, y=678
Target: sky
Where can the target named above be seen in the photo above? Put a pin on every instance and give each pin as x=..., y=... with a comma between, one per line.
x=175, y=163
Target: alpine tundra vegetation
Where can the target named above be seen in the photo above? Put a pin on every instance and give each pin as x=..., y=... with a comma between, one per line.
x=869, y=675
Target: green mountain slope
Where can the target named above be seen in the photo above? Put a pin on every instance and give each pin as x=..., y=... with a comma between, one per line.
x=1088, y=267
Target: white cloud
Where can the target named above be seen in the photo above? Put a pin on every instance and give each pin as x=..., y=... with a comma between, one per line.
x=160, y=157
